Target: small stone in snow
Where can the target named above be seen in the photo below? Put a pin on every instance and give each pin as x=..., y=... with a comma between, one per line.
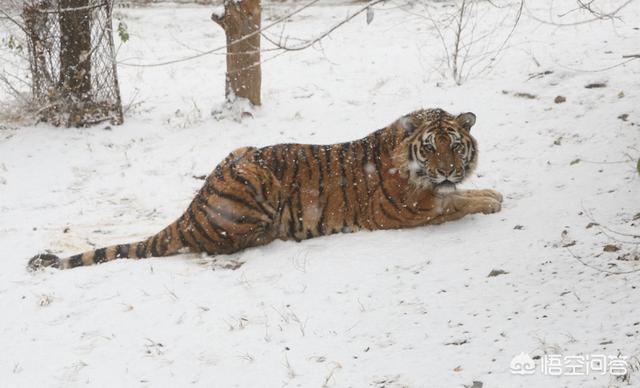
x=560, y=99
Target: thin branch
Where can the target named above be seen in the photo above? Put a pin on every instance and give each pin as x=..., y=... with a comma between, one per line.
x=633, y=58
x=600, y=269
x=220, y=48
x=604, y=229
x=609, y=15
x=311, y=42
x=14, y=21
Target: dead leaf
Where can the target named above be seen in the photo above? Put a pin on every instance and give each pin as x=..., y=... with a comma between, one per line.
x=560, y=99
x=457, y=368
x=496, y=272
x=596, y=85
x=611, y=248
x=629, y=257
x=624, y=116
x=592, y=224
x=370, y=15
x=525, y=95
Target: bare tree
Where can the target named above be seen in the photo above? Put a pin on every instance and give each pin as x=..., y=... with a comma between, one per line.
x=591, y=7
x=241, y=21
x=471, y=47
x=75, y=49
x=67, y=48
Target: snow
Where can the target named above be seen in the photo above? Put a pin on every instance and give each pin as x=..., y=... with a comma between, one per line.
x=218, y=11
x=406, y=308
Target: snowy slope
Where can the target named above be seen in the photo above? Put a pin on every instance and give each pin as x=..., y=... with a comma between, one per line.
x=407, y=308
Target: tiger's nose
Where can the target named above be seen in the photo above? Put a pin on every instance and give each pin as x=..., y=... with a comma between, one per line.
x=445, y=173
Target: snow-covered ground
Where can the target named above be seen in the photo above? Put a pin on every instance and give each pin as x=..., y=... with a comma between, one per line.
x=407, y=308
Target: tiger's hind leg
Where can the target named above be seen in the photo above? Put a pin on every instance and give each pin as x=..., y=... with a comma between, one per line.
x=236, y=207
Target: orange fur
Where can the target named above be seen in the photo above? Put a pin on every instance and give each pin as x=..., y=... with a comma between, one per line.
x=393, y=178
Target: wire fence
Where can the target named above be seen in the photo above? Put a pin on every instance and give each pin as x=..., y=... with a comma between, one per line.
x=74, y=79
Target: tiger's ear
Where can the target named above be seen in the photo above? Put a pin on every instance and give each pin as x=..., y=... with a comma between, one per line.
x=407, y=123
x=466, y=120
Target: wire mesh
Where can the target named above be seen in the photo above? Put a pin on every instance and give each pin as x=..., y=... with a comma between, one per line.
x=72, y=60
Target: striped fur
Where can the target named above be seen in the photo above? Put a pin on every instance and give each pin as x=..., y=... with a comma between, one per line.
x=401, y=176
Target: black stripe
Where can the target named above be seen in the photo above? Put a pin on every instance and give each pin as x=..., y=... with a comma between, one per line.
x=296, y=179
x=327, y=157
x=388, y=215
x=249, y=186
x=315, y=151
x=154, y=244
x=343, y=175
x=316, y=155
x=306, y=160
x=141, y=249
x=292, y=221
x=219, y=173
x=181, y=237
x=364, y=164
x=356, y=185
x=275, y=166
x=377, y=156
x=204, y=210
x=240, y=179
x=99, y=255
x=202, y=232
x=258, y=157
x=196, y=242
x=122, y=251
x=75, y=261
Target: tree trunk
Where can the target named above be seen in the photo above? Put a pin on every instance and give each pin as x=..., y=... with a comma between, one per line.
x=75, y=49
x=241, y=23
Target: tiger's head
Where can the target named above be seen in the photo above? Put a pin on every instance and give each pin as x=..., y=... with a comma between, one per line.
x=439, y=151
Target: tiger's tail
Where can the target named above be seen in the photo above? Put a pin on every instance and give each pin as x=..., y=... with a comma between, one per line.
x=169, y=241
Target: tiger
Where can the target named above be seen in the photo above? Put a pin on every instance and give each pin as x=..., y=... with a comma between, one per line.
x=401, y=176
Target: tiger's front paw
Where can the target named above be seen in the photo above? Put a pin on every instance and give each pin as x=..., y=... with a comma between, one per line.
x=493, y=194
x=492, y=205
